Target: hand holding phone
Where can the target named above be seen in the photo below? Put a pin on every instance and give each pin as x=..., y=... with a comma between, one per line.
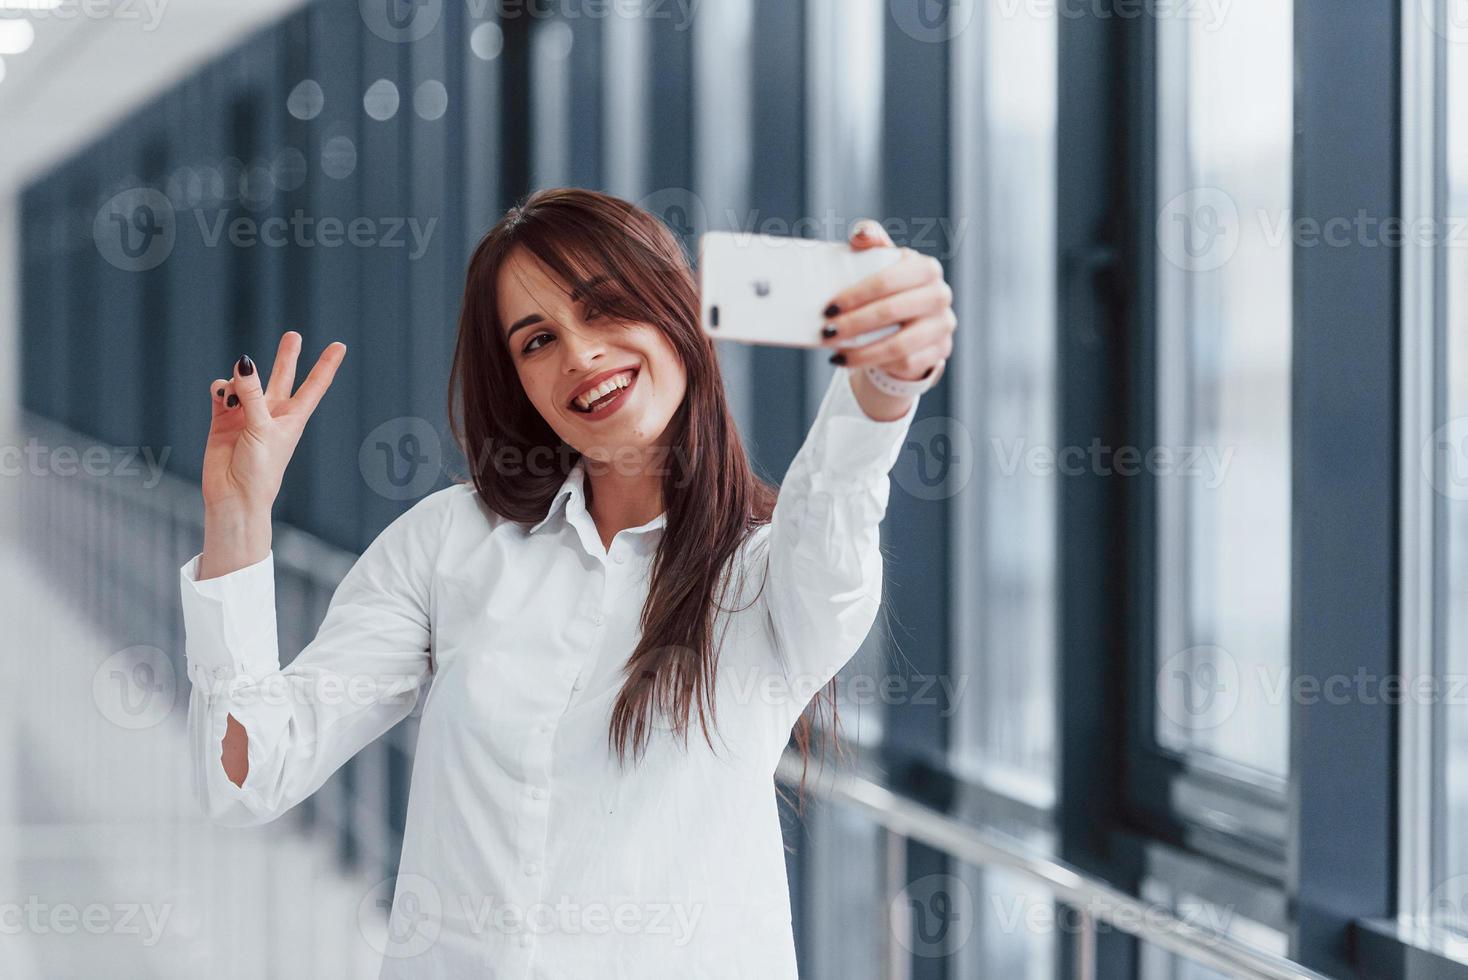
x=771, y=289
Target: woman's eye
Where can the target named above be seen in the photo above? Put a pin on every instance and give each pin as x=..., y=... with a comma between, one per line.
x=530, y=347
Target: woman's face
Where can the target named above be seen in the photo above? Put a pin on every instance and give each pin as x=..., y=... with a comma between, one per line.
x=559, y=354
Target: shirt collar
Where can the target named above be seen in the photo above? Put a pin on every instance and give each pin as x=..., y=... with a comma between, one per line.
x=572, y=494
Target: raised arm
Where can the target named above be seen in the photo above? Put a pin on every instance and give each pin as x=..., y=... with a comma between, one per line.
x=359, y=676
x=825, y=558
x=824, y=540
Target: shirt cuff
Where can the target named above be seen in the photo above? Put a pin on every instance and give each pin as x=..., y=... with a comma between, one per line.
x=856, y=446
x=229, y=621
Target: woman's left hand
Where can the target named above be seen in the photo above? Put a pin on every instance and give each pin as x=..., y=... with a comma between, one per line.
x=910, y=292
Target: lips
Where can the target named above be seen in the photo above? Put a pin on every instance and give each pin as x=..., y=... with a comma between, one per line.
x=595, y=381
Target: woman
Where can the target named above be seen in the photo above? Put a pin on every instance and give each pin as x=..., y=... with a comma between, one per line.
x=613, y=570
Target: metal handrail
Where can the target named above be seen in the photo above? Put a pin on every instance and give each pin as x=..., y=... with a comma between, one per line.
x=1147, y=921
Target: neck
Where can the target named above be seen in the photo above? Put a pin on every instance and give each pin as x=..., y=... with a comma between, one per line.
x=620, y=496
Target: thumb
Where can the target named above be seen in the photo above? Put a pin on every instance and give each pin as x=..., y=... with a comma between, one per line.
x=252, y=398
x=869, y=234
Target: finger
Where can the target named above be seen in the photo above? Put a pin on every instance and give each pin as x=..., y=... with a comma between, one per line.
x=869, y=234
x=912, y=270
x=316, y=383
x=283, y=372
x=251, y=395
x=218, y=391
x=913, y=303
x=918, y=345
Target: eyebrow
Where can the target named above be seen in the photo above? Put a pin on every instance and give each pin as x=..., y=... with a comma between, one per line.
x=576, y=294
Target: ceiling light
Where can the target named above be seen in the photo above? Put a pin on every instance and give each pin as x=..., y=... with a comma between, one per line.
x=16, y=36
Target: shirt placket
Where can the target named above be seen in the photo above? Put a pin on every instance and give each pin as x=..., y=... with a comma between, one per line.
x=586, y=633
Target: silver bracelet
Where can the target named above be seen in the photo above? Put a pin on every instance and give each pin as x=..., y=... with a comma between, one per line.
x=900, y=387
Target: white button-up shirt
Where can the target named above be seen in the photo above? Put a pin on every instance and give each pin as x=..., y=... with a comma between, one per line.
x=528, y=851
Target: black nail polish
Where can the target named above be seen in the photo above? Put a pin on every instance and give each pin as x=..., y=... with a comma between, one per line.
x=828, y=331
x=838, y=358
x=219, y=392
x=831, y=311
x=232, y=400
x=245, y=366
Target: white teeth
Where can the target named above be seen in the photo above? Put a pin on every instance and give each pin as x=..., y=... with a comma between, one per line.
x=584, y=400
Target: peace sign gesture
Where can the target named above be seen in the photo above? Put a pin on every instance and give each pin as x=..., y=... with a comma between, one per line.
x=254, y=432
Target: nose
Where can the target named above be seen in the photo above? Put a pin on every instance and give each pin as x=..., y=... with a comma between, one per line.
x=582, y=349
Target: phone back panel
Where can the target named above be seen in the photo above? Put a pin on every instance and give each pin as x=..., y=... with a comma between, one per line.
x=767, y=289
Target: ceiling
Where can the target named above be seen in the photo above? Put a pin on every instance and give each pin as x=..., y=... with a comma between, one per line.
x=93, y=61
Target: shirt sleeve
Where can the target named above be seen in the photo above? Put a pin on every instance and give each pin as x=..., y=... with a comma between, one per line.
x=360, y=675
x=825, y=560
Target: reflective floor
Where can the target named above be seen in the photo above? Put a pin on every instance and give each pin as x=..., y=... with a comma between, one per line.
x=106, y=868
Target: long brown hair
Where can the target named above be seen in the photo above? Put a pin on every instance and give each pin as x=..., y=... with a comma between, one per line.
x=713, y=498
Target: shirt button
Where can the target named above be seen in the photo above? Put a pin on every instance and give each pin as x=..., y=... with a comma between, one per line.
x=538, y=793
x=545, y=727
x=597, y=619
x=620, y=559
x=524, y=939
x=532, y=868
x=219, y=671
x=576, y=686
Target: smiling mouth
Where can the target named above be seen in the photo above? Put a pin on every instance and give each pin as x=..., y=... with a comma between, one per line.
x=605, y=393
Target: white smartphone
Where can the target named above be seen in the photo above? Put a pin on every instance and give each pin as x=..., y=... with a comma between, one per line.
x=769, y=289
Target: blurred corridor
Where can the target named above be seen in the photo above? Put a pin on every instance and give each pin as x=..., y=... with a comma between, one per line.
x=1168, y=679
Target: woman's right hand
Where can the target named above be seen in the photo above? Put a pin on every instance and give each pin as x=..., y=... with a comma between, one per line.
x=252, y=436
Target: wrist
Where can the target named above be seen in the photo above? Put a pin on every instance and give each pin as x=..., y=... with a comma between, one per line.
x=233, y=540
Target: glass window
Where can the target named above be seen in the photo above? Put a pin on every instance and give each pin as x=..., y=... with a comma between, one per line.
x=1005, y=121
x=1435, y=493
x=1222, y=461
